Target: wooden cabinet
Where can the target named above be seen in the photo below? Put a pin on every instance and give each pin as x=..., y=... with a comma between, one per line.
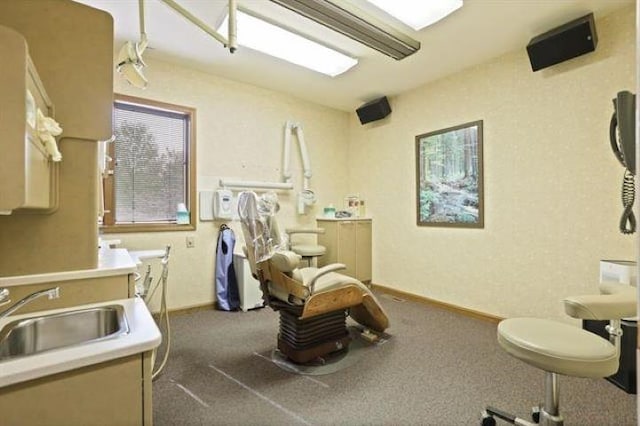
x=347, y=241
x=116, y=392
x=27, y=176
x=71, y=45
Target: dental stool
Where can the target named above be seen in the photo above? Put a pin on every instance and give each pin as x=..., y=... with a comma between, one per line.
x=307, y=251
x=559, y=348
x=313, y=303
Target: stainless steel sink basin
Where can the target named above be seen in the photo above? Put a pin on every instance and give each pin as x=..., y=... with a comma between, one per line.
x=38, y=334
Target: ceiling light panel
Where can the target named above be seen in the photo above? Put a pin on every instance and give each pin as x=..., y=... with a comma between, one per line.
x=418, y=14
x=267, y=38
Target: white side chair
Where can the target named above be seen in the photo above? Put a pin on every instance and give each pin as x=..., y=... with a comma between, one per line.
x=307, y=250
x=559, y=348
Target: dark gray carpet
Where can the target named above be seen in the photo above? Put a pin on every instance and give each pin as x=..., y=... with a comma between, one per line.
x=439, y=368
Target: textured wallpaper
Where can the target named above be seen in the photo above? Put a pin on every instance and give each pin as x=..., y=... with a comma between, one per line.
x=239, y=133
x=551, y=183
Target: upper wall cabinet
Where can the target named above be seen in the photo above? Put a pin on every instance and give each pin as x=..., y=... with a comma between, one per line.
x=28, y=174
x=71, y=45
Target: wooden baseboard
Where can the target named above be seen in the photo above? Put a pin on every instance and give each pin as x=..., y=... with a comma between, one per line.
x=191, y=309
x=383, y=289
x=432, y=302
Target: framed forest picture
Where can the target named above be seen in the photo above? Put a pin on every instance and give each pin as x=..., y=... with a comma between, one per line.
x=449, y=177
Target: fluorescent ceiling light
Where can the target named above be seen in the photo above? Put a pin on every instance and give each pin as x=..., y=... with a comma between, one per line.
x=342, y=16
x=418, y=14
x=259, y=35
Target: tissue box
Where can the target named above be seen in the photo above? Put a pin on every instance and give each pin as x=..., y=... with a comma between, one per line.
x=621, y=271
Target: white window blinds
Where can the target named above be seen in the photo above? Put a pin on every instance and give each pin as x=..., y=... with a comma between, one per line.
x=151, y=167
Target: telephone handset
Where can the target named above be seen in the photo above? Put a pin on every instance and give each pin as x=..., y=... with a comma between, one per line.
x=622, y=135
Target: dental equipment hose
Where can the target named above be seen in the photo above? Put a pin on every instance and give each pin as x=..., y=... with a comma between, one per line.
x=164, y=313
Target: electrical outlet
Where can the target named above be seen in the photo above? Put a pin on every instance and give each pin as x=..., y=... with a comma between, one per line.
x=191, y=242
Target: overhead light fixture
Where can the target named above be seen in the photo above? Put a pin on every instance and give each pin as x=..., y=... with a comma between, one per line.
x=265, y=37
x=418, y=14
x=343, y=17
x=130, y=64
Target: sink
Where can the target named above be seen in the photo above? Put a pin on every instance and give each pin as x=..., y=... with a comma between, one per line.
x=33, y=335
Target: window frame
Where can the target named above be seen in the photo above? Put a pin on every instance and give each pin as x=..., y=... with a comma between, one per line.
x=108, y=223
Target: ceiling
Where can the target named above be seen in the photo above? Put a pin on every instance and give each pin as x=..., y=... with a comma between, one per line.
x=479, y=31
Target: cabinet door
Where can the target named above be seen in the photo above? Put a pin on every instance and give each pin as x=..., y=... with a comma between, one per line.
x=347, y=247
x=96, y=395
x=330, y=242
x=363, y=251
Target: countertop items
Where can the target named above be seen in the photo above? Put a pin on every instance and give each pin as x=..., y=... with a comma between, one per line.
x=143, y=336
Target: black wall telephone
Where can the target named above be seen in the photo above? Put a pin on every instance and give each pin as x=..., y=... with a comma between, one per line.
x=622, y=135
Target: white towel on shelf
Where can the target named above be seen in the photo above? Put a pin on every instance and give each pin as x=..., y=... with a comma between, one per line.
x=47, y=129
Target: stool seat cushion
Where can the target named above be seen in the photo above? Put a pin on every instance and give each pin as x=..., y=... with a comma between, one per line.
x=558, y=347
x=307, y=250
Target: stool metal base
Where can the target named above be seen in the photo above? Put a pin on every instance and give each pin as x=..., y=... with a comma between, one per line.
x=547, y=415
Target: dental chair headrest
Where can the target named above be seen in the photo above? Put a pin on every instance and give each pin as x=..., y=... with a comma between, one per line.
x=286, y=261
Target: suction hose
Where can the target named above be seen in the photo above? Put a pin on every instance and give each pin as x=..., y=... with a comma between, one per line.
x=164, y=313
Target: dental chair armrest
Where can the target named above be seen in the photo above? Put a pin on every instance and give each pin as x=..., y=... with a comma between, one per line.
x=615, y=305
x=323, y=271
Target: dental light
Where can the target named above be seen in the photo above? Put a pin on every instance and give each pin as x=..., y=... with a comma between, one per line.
x=130, y=64
x=343, y=17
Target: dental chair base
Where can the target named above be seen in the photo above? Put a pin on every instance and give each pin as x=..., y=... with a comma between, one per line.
x=306, y=340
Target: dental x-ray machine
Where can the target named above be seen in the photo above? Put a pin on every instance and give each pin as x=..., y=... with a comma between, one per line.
x=306, y=197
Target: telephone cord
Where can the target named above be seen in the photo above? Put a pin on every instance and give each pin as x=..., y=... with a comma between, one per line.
x=628, y=219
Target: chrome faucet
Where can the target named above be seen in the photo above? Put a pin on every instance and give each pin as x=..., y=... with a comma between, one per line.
x=53, y=293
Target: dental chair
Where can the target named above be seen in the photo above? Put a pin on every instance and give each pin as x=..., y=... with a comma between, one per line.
x=313, y=303
x=559, y=348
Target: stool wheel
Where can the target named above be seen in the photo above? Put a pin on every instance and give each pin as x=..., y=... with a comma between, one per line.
x=535, y=414
x=487, y=419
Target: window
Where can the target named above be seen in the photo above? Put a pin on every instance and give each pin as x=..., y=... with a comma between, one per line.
x=153, y=167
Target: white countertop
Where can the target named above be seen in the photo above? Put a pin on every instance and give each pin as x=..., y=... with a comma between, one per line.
x=143, y=336
x=110, y=262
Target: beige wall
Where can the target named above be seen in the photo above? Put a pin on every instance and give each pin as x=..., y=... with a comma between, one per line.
x=239, y=135
x=552, y=185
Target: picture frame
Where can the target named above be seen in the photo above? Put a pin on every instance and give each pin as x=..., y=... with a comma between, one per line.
x=449, y=177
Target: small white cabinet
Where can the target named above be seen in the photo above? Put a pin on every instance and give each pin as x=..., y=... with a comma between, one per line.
x=248, y=287
x=347, y=241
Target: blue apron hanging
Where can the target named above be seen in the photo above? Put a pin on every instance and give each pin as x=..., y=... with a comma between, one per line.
x=226, y=283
